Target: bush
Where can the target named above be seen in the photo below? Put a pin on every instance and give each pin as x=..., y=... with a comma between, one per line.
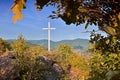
x=4, y=45
x=19, y=46
x=105, y=59
x=79, y=64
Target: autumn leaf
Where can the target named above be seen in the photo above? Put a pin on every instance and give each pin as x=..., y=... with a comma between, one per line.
x=110, y=30
x=107, y=41
x=81, y=9
x=17, y=8
x=119, y=16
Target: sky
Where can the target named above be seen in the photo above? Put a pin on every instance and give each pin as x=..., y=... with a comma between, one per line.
x=33, y=21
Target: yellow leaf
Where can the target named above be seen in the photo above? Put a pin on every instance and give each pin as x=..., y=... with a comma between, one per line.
x=77, y=17
x=91, y=46
x=119, y=16
x=115, y=24
x=81, y=9
x=107, y=41
x=110, y=30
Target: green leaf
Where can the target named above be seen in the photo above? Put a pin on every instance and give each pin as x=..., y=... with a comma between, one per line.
x=114, y=39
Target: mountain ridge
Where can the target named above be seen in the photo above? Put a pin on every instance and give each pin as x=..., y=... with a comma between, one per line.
x=81, y=44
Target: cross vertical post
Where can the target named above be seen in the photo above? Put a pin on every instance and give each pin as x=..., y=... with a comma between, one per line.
x=49, y=28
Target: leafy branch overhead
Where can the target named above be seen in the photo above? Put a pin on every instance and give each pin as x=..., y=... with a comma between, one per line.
x=17, y=8
x=102, y=13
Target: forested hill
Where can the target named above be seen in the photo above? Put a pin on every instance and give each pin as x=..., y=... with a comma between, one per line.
x=81, y=44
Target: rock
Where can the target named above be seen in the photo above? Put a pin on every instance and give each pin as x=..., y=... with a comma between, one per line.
x=50, y=63
x=58, y=68
x=8, y=70
x=53, y=67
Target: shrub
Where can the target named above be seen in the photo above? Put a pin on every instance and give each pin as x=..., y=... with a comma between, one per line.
x=19, y=45
x=4, y=45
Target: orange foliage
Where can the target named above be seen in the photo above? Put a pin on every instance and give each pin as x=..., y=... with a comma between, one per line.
x=16, y=9
x=75, y=73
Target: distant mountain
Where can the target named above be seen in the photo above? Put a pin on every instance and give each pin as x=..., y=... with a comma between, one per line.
x=81, y=44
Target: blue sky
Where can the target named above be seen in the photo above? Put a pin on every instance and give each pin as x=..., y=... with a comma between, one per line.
x=33, y=22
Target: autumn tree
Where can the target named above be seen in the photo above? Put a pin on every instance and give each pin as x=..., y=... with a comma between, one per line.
x=103, y=13
x=65, y=50
x=72, y=63
x=24, y=63
x=19, y=45
x=105, y=57
x=35, y=51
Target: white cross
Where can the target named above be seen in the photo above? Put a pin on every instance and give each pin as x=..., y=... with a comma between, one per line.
x=48, y=28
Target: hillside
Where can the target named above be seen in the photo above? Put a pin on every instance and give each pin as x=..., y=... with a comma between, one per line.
x=81, y=44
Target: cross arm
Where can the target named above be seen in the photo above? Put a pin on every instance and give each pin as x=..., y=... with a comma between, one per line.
x=53, y=28
x=45, y=28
